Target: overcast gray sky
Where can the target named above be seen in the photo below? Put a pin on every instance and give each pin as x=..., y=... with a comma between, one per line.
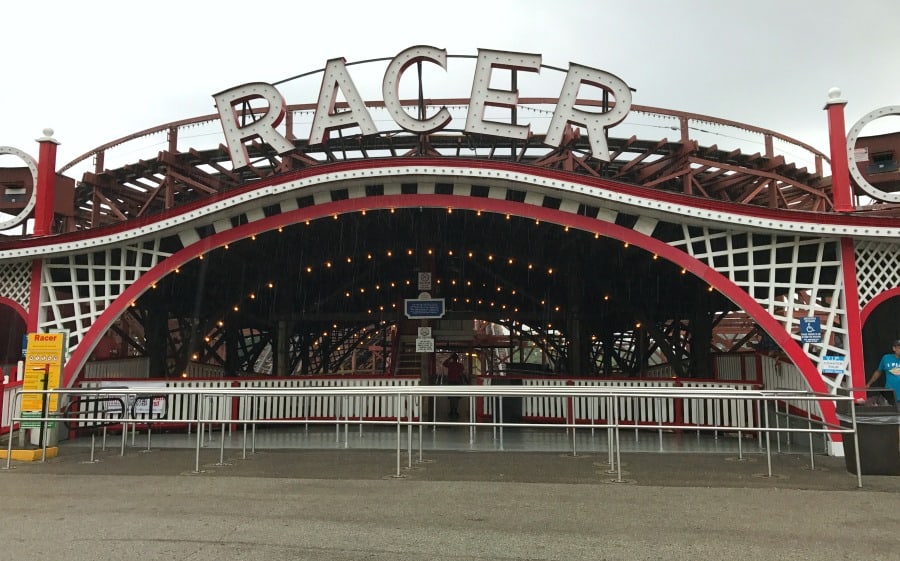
x=95, y=70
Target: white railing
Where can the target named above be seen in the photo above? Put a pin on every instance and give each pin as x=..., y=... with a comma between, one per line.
x=637, y=410
x=406, y=397
x=778, y=374
x=266, y=407
x=640, y=411
x=6, y=398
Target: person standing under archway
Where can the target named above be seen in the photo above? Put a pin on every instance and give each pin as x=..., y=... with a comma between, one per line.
x=456, y=375
x=889, y=367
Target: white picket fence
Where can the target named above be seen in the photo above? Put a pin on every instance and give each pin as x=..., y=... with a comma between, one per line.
x=275, y=407
x=640, y=411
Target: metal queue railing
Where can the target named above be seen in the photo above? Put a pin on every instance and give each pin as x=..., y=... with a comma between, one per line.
x=408, y=403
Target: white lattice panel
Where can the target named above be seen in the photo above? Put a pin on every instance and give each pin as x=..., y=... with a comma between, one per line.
x=768, y=267
x=77, y=288
x=877, y=268
x=15, y=278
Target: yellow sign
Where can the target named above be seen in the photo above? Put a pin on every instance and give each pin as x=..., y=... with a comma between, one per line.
x=44, y=357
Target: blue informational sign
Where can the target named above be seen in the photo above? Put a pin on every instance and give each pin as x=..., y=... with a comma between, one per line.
x=810, y=330
x=832, y=365
x=424, y=308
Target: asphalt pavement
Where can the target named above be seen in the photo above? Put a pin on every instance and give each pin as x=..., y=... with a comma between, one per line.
x=449, y=504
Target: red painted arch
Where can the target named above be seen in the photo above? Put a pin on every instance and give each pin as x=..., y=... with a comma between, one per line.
x=561, y=218
x=877, y=301
x=16, y=307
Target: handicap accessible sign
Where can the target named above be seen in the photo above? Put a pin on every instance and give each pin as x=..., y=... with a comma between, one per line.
x=810, y=330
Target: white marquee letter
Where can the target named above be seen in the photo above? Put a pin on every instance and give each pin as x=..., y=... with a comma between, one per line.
x=483, y=95
x=390, y=89
x=334, y=78
x=262, y=128
x=595, y=123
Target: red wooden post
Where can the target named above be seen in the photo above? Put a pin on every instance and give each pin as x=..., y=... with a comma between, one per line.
x=46, y=185
x=841, y=192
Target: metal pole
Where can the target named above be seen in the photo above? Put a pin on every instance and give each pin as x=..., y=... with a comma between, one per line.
x=124, y=430
x=346, y=406
x=12, y=424
x=199, y=432
x=610, y=453
x=659, y=414
x=759, y=435
x=769, y=440
x=44, y=405
x=502, y=420
x=408, y=433
x=359, y=408
x=337, y=419
x=222, y=446
x=244, y=441
x=777, y=425
x=471, y=420
x=856, y=444
x=812, y=458
x=574, y=452
x=419, y=409
x=255, y=416
x=617, y=446
x=397, y=413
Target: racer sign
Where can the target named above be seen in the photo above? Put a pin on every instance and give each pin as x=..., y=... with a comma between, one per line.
x=336, y=79
x=43, y=357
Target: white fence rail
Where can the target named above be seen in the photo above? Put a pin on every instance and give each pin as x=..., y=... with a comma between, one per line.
x=261, y=406
x=639, y=411
x=406, y=397
x=7, y=398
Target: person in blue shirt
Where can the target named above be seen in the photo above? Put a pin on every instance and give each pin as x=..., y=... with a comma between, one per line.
x=889, y=367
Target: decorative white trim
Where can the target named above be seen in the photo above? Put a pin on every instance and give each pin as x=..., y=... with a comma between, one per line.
x=317, y=185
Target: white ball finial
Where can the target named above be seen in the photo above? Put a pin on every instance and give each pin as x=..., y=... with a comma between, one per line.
x=834, y=97
x=48, y=136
